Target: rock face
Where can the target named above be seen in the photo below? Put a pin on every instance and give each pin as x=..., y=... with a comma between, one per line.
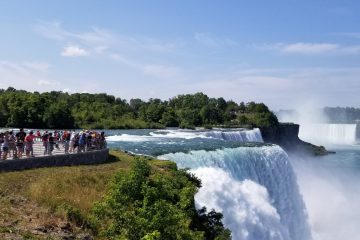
x=286, y=135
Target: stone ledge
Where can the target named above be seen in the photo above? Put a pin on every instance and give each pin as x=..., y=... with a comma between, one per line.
x=86, y=158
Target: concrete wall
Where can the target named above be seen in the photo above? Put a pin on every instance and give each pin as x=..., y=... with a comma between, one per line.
x=86, y=158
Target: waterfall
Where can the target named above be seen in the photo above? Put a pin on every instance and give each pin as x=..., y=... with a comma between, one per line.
x=254, y=187
x=253, y=135
x=328, y=133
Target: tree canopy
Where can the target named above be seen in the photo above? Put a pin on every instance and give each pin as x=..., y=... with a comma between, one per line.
x=55, y=109
x=152, y=205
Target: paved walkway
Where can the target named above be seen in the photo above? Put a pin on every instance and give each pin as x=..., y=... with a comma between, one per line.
x=39, y=150
x=56, y=160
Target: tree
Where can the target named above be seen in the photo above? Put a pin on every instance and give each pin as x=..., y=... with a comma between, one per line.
x=56, y=109
x=147, y=204
x=57, y=115
x=169, y=118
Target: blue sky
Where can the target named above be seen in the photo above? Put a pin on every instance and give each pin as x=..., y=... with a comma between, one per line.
x=283, y=53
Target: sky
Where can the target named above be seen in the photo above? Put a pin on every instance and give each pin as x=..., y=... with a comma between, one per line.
x=285, y=53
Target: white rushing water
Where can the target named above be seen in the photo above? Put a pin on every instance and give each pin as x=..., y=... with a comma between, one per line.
x=253, y=135
x=254, y=187
x=331, y=192
x=328, y=133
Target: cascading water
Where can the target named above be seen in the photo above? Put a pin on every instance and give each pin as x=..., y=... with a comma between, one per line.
x=252, y=184
x=254, y=187
x=253, y=135
x=328, y=133
x=244, y=135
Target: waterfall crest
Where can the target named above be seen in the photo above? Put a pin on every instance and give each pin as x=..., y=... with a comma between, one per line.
x=328, y=133
x=254, y=187
x=253, y=135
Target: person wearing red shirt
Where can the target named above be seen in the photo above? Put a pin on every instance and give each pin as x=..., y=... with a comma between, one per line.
x=29, y=141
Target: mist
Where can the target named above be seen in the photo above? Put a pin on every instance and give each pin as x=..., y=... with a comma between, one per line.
x=332, y=195
x=329, y=184
x=320, y=126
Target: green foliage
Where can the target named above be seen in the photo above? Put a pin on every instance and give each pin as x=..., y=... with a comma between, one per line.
x=83, y=110
x=148, y=204
x=211, y=224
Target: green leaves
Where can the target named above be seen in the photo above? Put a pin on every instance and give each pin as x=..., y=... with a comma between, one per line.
x=83, y=110
x=148, y=203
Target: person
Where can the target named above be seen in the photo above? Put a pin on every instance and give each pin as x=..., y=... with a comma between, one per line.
x=82, y=142
x=66, y=139
x=88, y=141
x=29, y=141
x=45, y=140
x=72, y=141
x=5, y=145
x=51, y=143
x=76, y=143
x=56, y=139
x=12, y=145
x=102, y=140
x=1, y=141
x=20, y=138
x=38, y=135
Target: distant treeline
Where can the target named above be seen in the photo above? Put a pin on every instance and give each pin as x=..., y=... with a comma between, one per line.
x=19, y=108
x=342, y=114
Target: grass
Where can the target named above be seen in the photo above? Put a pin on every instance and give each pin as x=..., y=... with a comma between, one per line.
x=59, y=193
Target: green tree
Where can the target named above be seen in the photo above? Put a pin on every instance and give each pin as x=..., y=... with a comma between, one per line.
x=57, y=115
x=144, y=204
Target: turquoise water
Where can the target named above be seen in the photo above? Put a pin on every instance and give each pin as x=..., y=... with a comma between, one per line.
x=346, y=157
x=263, y=193
x=159, y=142
x=330, y=186
x=253, y=184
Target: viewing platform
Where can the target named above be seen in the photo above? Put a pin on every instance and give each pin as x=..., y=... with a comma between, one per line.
x=57, y=158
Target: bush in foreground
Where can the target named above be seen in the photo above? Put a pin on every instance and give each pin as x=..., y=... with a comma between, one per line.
x=148, y=204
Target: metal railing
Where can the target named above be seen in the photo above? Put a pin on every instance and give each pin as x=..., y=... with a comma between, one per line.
x=40, y=149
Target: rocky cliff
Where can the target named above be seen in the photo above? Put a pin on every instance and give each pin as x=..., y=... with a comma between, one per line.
x=286, y=135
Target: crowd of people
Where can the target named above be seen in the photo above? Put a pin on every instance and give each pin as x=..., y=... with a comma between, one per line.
x=21, y=144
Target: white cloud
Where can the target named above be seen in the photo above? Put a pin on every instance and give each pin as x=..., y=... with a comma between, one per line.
x=153, y=70
x=31, y=76
x=54, y=30
x=351, y=50
x=160, y=71
x=348, y=34
x=43, y=82
x=211, y=41
x=40, y=66
x=101, y=49
x=74, y=51
x=124, y=60
x=102, y=41
x=281, y=88
x=311, y=48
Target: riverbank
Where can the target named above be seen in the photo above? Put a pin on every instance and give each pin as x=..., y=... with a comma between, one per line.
x=72, y=202
x=49, y=203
